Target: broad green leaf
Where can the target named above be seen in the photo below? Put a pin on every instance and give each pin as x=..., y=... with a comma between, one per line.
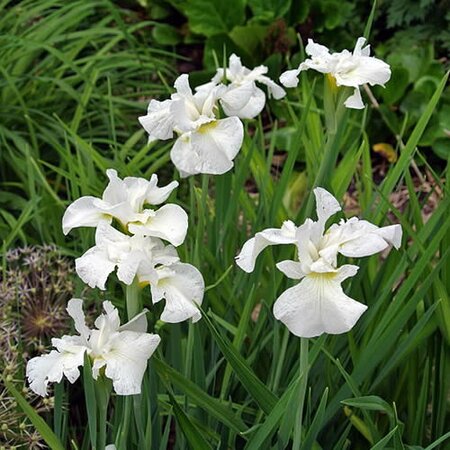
x=210, y=17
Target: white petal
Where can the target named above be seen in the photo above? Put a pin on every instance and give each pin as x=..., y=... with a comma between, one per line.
x=211, y=149
x=126, y=362
x=157, y=195
x=317, y=305
x=274, y=89
x=158, y=122
x=358, y=51
x=115, y=191
x=170, y=223
x=346, y=271
x=182, y=86
x=94, y=267
x=292, y=269
x=50, y=368
x=82, y=213
x=392, y=234
x=271, y=236
x=251, y=109
x=75, y=310
x=110, y=320
x=138, y=323
x=43, y=370
x=326, y=204
x=183, y=290
x=359, y=238
x=128, y=266
x=289, y=78
x=236, y=97
x=316, y=50
x=355, y=100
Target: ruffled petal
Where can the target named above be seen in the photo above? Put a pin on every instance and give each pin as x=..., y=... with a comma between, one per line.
x=170, y=223
x=50, y=368
x=183, y=288
x=289, y=78
x=158, y=122
x=82, y=213
x=43, y=370
x=271, y=236
x=317, y=305
x=75, y=310
x=126, y=361
x=209, y=150
x=94, y=267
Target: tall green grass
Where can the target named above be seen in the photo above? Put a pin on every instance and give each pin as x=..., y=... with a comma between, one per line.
x=74, y=79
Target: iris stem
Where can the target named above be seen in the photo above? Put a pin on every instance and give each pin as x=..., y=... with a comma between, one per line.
x=102, y=394
x=304, y=368
x=132, y=299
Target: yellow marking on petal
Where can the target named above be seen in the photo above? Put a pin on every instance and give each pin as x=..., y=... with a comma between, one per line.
x=207, y=127
x=332, y=82
x=142, y=284
x=386, y=151
x=323, y=275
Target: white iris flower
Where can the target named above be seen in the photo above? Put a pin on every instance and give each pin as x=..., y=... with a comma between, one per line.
x=125, y=201
x=317, y=304
x=205, y=144
x=242, y=97
x=348, y=69
x=148, y=259
x=123, y=351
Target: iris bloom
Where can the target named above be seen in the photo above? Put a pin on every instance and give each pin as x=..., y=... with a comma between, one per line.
x=317, y=304
x=205, y=144
x=148, y=259
x=348, y=69
x=125, y=201
x=242, y=97
x=121, y=351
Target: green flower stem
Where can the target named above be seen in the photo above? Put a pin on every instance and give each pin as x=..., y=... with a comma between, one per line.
x=102, y=394
x=336, y=114
x=134, y=306
x=304, y=368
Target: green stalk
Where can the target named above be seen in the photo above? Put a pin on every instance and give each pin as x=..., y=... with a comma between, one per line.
x=304, y=367
x=102, y=394
x=134, y=306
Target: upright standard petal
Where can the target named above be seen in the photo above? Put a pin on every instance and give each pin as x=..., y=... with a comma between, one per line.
x=272, y=236
x=156, y=195
x=75, y=310
x=317, y=305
